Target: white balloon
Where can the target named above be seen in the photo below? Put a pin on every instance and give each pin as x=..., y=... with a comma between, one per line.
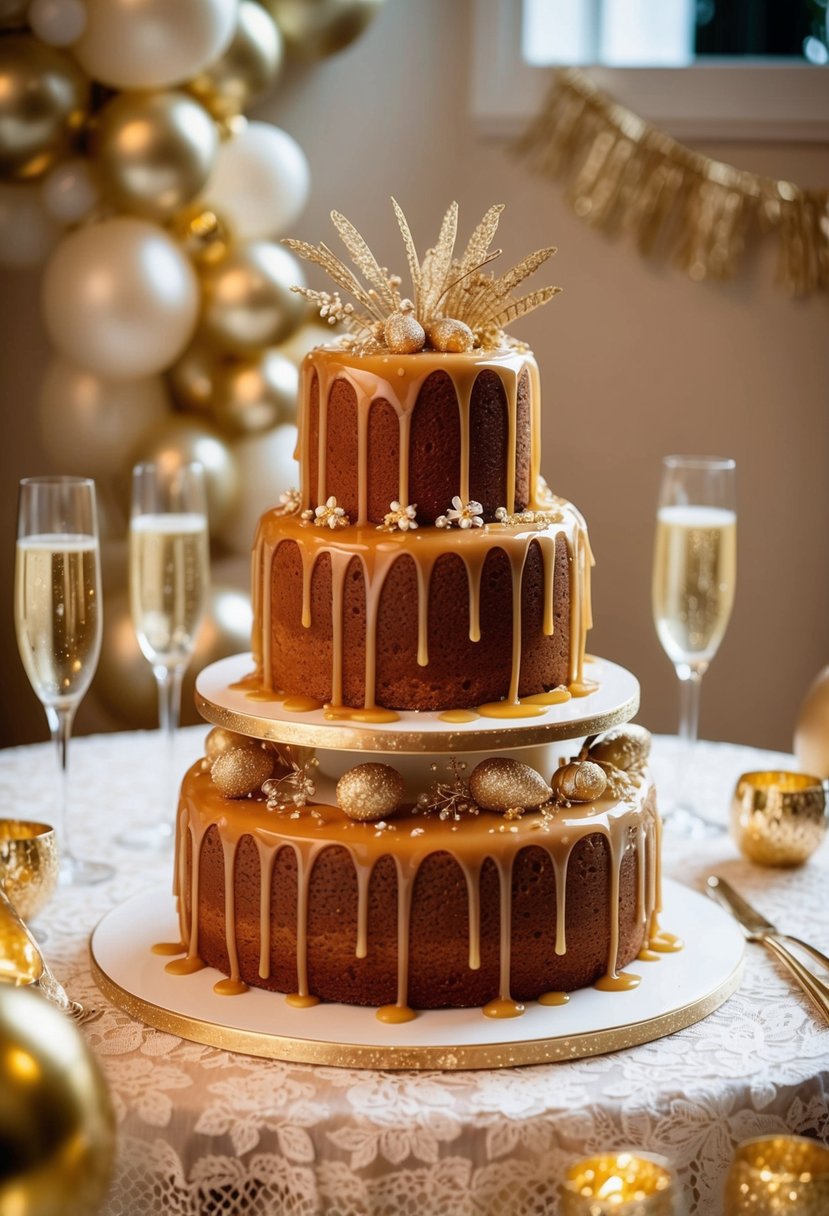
x=267, y=467
x=27, y=232
x=90, y=426
x=70, y=191
x=260, y=182
x=120, y=298
x=58, y=22
x=150, y=44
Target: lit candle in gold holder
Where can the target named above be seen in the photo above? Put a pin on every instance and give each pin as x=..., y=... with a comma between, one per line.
x=778, y=819
x=779, y=1174
x=28, y=865
x=619, y=1184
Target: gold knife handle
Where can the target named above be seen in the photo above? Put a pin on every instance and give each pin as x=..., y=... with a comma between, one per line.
x=815, y=988
x=816, y=954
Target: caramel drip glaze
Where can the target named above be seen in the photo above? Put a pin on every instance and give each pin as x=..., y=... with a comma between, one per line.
x=294, y=904
x=419, y=429
x=536, y=572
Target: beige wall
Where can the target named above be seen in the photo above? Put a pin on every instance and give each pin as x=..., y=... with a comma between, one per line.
x=636, y=361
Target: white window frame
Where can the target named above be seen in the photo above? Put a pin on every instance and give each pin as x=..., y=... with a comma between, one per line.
x=717, y=100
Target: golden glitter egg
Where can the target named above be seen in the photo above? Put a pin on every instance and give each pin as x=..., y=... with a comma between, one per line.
x=579, y=781
x=404, y=334
x=447, y=334
x=241, y=771
x=370, y=791
x=220, y=740
x=500, y=784
x=627, y=748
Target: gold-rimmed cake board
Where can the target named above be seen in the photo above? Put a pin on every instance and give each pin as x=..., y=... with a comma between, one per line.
x=675, y=992
x=221, y=702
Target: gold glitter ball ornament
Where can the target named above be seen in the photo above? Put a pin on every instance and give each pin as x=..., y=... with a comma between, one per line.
x=500, y=784
x=241, y=771
x=450, y=335
x=578, y=781
x=404, y=334
x=627, y=748
x=370, y=791
x=220, y=741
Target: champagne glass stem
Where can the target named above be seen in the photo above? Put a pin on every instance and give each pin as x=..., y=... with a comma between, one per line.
x=690, y=683
x=60, y=721
x=169, y=680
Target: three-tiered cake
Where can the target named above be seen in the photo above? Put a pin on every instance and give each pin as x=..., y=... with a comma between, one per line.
x=423, y=568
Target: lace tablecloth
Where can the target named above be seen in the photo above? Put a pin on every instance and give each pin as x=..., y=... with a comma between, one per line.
x=207, y=1132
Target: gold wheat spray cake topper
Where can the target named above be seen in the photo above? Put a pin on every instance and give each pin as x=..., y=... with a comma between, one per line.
x=455, y=304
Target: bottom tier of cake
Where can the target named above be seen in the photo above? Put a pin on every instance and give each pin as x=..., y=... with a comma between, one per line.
x=419, y=912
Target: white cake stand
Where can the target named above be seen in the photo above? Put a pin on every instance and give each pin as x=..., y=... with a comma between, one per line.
x=616, y=700
x=679, y=990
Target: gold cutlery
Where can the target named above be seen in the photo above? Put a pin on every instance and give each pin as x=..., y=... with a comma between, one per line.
x=22, y=962
x=758, y=929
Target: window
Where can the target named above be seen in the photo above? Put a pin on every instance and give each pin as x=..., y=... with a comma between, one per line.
x=777, y=90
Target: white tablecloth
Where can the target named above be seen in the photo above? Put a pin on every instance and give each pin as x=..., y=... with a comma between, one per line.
x=204, y=1131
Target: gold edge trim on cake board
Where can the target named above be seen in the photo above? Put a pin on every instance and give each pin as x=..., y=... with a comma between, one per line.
x=474, y=1056
x=337, y=737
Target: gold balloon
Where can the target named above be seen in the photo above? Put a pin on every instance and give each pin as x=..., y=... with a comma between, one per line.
x=191, y=379
x=255, y=394
x=154, y=151
x=314, y=28
x=179, y=441
x=248, y=68
x=811, y=732
x=124, y=683
x=201, y=232
x=56, y=1123
x=44, y=102
x=248, y=302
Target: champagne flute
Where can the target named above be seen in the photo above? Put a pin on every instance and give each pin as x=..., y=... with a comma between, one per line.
x=169, y=574
x=694, y=577
x=57, y=612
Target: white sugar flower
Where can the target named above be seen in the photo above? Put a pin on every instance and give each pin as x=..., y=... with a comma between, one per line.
x=465, y=515
x=397, y=517
x=289, y=502
x=330, y=515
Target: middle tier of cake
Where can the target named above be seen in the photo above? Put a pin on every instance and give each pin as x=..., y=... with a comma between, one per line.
x=421, y=620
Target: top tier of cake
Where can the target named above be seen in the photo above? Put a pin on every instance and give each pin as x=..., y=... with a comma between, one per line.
x=421, y=429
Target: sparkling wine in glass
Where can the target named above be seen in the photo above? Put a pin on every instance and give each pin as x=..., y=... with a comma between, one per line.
x=694, y=578
x=57, y=612
x=169, y=577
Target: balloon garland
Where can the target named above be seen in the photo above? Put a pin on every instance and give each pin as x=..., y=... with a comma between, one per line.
x=128, y=167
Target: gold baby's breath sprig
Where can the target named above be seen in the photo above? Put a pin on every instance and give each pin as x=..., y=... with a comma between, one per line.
x=445, y=288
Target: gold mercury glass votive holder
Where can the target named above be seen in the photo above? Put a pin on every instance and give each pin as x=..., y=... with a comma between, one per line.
x=29, y=864
x=619, y=1184
x=778, y=1174
x=778, y=818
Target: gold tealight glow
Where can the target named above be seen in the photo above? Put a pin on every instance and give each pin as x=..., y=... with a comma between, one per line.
x=779, y=1174
x=619, y=1184
x=778, y=818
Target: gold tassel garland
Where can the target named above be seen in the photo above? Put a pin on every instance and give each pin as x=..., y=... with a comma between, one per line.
x=627, y=175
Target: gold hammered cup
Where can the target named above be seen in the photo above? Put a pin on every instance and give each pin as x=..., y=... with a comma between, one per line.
x=28, y=865
x=778, y=1174
x=777, y=818
x=628, y=1183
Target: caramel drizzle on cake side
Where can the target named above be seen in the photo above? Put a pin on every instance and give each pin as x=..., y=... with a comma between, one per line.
x=398, y=381
x=625, y=826
x=378, y=551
